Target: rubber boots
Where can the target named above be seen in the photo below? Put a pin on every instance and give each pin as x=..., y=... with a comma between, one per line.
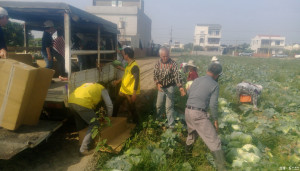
x=188, y=151
x=219, y=160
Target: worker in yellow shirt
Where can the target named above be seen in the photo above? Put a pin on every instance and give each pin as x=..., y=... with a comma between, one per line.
x=130, y=85
x=82, y=103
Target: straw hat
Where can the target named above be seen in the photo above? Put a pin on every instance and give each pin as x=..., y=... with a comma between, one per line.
x=191, y=63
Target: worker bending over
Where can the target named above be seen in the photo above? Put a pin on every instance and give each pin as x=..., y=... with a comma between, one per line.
x=82, y=103
x=253, y=90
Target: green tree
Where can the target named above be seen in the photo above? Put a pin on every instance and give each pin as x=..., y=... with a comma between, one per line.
x=188, y=47
x=198, y=48
x=14, y=34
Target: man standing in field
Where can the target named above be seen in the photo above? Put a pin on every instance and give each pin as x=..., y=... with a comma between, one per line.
x=130, y=85
x=3, y=22
x=166, y=77
x=82, y=103
x=204, y=92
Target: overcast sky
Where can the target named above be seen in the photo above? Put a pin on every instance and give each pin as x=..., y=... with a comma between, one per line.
x=241, y=20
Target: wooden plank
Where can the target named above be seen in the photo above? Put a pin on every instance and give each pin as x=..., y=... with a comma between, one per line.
x=13, y=142
x=116, y=134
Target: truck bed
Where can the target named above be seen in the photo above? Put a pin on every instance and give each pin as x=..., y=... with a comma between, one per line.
x=57, y=91
x=13, y=142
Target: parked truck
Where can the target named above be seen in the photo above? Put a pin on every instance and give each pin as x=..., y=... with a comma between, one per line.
x=72, y=20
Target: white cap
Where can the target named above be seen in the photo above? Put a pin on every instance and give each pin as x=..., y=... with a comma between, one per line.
x=3, y=12
x=48, y=23
x=214, y=58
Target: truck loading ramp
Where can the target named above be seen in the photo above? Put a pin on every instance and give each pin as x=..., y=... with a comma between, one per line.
x=13, y=142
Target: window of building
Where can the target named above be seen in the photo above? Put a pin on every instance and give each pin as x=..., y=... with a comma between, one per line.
x=265, y=42
x=213, y=41
x=217, y=33
x=201, y=40
x=114, y=3
x=120, y=3
x=277, y=42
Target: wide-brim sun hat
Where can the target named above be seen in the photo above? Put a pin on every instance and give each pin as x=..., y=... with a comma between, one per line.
x=191, y=63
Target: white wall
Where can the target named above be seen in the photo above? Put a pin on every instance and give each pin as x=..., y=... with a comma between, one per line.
x=203, y=32
x=137, y=24
x=116, y=14
x=144, y=29
x=200, y=32
x=256, y=42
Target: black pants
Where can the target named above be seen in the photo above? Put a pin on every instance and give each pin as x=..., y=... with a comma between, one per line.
x=131, y=105
x=60, y=62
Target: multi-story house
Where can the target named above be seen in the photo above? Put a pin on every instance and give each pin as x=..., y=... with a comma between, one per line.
x=268, y=44
x=134, y=25
x=177, y=45
x=208, y=36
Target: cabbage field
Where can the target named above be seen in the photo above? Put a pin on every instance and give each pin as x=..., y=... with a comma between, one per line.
x=263, y=139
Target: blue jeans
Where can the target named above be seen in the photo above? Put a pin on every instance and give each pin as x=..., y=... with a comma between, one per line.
x=167, y=94
x=49, y=64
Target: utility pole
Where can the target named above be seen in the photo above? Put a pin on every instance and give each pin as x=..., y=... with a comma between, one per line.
x=170, y=42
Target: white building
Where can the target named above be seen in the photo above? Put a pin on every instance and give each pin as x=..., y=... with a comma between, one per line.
x=293, y=47
x=268, y=44
x=134, y=25
x=177, y=45
x=208, y=36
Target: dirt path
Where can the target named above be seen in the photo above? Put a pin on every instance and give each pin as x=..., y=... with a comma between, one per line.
x=147, y=66
x=60, y=151
x=145, y=100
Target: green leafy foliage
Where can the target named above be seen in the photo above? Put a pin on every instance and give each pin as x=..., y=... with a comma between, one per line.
x=104, y=121
x=263, y=139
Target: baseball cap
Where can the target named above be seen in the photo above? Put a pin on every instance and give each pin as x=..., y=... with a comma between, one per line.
x=48, y=23
x=215, y=68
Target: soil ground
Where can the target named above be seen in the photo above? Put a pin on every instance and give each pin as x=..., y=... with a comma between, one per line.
x=60, y=150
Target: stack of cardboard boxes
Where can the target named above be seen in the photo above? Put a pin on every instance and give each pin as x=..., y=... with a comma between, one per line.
x=23, y=89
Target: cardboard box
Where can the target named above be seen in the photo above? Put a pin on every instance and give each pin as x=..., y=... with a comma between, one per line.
x=116, y=134
x=24, y=58
x=23, y=89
